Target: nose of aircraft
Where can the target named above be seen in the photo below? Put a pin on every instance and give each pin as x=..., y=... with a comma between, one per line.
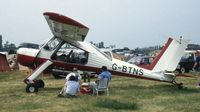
x=25, y=56
x=20, y=51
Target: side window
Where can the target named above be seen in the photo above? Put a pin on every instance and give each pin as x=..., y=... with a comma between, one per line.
x=52, y=44
x=108, y=53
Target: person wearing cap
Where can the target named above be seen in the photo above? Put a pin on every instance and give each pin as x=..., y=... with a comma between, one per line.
x=196, y=67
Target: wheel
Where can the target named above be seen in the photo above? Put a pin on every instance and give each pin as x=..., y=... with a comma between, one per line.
x=39, y=83
x=182, y=70
x=31, y=88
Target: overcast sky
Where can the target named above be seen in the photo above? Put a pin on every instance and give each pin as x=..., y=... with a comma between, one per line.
x=125, y=23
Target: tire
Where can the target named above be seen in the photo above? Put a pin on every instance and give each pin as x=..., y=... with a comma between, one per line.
x=39, y=83
x=182, y=70
x=31, y=88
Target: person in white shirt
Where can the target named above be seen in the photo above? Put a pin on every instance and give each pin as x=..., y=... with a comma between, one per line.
x=72, y=87
x=77, y=79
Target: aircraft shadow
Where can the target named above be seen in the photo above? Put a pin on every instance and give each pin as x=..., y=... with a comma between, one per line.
x=163, y=88
x=50, y=89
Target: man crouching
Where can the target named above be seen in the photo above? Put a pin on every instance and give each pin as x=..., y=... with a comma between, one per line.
x=71, y=87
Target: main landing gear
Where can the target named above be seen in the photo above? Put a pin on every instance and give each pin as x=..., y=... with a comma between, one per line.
x=33, y=87
x=32, y=84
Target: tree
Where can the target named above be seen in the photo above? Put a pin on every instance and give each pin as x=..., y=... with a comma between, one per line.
x=9, y=47
x=1, y=45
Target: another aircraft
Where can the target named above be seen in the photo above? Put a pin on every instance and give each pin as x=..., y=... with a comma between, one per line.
x=68, y=32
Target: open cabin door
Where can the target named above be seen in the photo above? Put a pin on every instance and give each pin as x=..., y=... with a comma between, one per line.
x=70, y=54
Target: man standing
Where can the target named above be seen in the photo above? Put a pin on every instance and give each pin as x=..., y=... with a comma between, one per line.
x=74, y=73
x=196, y=67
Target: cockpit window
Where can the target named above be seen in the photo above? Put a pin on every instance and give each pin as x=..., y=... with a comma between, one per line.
x=52, y=44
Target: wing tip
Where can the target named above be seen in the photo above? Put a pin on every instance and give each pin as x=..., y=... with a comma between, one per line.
x=64, y=19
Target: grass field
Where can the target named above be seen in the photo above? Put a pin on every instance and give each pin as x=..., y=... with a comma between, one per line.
x=126, y=95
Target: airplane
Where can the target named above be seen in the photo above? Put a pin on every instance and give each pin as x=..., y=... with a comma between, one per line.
x=70, y=33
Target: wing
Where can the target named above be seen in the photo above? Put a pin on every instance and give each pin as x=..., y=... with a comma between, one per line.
x=66, y=28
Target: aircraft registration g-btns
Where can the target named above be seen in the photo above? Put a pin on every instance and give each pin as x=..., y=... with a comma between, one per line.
x=70, y=33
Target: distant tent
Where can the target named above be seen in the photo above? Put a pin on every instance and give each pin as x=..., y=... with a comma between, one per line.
x=4, y=66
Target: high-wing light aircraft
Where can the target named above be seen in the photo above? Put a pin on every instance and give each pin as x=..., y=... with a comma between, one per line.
x=70, y=33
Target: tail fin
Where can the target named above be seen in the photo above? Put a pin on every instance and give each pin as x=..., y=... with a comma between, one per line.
x=169, y=56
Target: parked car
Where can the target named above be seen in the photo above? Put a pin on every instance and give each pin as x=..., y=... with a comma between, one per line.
x=28, y=45
x=186, y=63
x=140, y=60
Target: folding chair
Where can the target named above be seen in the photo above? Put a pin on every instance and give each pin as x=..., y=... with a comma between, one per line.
x=102, y=85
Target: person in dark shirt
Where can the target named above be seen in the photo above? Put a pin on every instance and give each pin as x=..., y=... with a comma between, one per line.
x=196, y=67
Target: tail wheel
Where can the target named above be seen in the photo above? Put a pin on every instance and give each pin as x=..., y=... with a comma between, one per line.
x=31, y=88
x=39, y=83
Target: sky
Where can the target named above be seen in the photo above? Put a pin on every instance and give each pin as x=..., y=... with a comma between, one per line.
x=124, y=23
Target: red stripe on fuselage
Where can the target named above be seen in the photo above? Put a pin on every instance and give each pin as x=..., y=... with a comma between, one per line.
x=25, y=60
x=155, y=61
x=28, y=61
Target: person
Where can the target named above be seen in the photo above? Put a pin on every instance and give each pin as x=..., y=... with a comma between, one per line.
x=74, y=73
x=77, y=78
x=196, y=67
x=72, y=87
x=104, y=74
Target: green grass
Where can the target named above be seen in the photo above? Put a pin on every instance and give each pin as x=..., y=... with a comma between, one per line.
x=126, y=95
x=114, y=104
